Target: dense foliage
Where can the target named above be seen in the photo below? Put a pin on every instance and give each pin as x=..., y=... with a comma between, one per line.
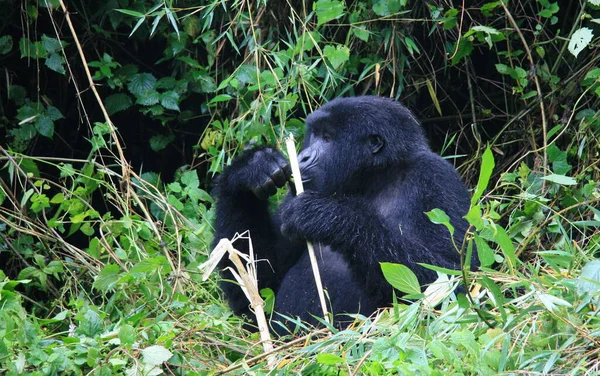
x=116, y=115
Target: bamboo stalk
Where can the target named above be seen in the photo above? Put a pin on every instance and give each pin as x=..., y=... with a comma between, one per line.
x=289, y=142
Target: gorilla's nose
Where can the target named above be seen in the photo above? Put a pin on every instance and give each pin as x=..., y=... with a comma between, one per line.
x=306, y=158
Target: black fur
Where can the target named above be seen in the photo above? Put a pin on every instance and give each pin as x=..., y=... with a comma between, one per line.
x=369, y=177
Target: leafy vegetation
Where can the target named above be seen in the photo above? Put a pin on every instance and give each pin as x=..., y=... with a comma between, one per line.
x=116, y=115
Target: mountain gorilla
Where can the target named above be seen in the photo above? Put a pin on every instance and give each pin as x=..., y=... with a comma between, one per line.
x=369, y=177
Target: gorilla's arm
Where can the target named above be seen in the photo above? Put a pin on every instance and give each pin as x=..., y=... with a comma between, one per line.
x=396, y=231
x=255, y=173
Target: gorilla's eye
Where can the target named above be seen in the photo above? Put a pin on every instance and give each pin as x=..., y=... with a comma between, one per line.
x=326, y=137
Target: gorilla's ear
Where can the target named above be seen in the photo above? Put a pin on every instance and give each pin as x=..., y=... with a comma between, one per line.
x=376, y=143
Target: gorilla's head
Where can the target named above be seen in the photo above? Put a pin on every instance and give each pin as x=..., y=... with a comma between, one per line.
x=348, y=139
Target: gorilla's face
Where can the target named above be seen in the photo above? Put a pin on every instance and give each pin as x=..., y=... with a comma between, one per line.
x=332, y=157
x=315, y=161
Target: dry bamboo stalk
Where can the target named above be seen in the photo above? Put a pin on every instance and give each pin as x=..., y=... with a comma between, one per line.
x=249, y=285
x=289, y=142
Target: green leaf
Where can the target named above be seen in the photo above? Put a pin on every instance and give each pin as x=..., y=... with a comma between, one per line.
x=589, y=280
x=485, y=172
x=53, y=113
x=155, y=355
x=190, y=179
x=51, y=45
x=6, y=44
x=387, y=7
x=141, y=83
x=158, y=142
x=56, y=63
x=580, y=40
x=328, y=10
x=560, y=179
x=107, y=279
x=269, y=299
x=503, y=68
x=221, y=98
x=465, y=47
x=439, y=217
x=127, y=335
x=552, y=303
x=45, y=126
x=505, y=243
x=329, y=359
x=91, y=324
x=361, y=33
x=337, y=56
x=131, y=13
x=401, y=277
x=148, y=98
x=170, y=100
x=484, y=251
x=118, y=102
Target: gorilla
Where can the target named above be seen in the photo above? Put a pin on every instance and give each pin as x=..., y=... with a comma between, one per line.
x=369, y=177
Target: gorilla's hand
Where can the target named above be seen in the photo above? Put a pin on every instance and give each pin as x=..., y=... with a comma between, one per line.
x=308, y=216
x=259, y=170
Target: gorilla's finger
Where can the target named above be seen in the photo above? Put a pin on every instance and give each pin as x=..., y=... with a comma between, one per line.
x=260, y=193
x=278, y=177
x=269, y=187
x=287, y=170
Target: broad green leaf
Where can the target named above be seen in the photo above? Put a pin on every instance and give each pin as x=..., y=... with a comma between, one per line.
x=170, y=100
x=117, y=102
x=387, y=7
x=505, y=243
x=439, y=217
x=361, y=33
x=552, y=303
x=437, y=291
x=221, y=98
x=589, y=280
x=328, y=10
x=53, y=113
x=127, y=335
x=6, y=44
x=485, y=172
x=484, y=251
x=329, y=359
x=107, y=279
x=401, y=277
x=496, y=294
x=141, y=83
x=91, y=324
x=190, y=179
x=337, y=56
x=148, y=98
x=45, y=126
x=465, y=47
x=158, y=142
x=560, y=179
x=155, y=355
x=580, y=40
x=503, y=68
x=56, y=63
x=51, y=45
x=269, y=300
